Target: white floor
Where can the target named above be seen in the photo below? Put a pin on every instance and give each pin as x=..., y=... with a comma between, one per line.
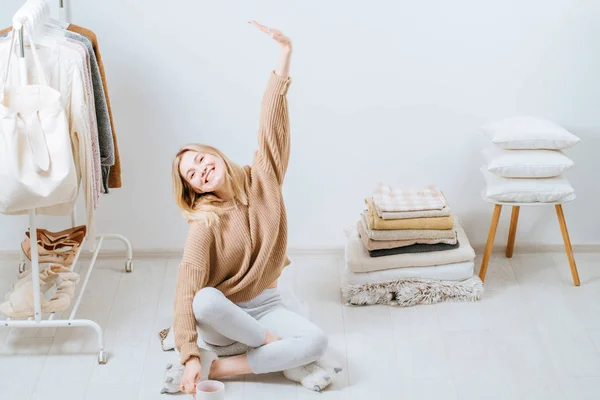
x=532, y=336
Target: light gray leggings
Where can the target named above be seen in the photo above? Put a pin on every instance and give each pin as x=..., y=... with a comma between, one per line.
x=223, y=322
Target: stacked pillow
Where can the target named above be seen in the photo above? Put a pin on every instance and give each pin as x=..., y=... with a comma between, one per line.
x=526, y=163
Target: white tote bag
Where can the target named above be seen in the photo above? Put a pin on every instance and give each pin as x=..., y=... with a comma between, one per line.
x=36, y=158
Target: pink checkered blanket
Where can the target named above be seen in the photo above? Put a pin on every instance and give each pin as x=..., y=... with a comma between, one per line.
x=388, y=199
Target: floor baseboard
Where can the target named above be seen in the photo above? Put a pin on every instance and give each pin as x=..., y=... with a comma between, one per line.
x=333, y=251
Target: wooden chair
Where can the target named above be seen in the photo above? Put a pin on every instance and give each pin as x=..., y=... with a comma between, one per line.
x=512, y=233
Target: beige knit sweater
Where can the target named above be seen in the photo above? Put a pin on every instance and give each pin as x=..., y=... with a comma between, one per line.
x=245, y=251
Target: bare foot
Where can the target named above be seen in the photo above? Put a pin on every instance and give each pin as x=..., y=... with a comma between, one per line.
x=230, y=366
x=236, y=365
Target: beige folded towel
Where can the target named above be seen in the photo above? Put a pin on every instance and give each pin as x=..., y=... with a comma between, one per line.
x=407, y=234
x=374, y=221
x=358, y=259
x=392, y=244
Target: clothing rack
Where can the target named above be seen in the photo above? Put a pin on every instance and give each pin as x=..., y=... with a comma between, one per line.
x=26, y=18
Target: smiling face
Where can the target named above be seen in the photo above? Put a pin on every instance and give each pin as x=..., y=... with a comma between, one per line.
x=204, y=172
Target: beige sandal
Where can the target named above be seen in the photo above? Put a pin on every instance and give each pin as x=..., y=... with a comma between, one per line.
x=53, y=240
x=58, y=256
x=62, y=271
x=65, y=279
x=46, y=277
x=19, y=303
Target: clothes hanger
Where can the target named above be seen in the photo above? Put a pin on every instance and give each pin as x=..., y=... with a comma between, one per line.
x=35, y=15
x=57, y=26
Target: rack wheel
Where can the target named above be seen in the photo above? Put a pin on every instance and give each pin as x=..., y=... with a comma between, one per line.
x=22, y=267
x=129, y=266
x=102, y=357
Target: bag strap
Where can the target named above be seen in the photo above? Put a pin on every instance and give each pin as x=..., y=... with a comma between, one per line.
x=36, y=60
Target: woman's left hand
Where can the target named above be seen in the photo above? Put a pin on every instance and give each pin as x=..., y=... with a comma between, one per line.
x=277, y=35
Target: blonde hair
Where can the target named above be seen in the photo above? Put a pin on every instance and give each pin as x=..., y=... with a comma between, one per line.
x=201, y=206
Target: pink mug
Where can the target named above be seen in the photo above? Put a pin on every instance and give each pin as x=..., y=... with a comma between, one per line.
x=210, y=390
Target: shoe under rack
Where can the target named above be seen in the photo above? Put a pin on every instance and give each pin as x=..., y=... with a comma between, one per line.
x=39, y=319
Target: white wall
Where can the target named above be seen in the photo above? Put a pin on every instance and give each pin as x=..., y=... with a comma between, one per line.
x=383, y=91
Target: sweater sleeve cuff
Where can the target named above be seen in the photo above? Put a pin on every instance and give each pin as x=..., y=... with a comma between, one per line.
x=279, y=84
x=189, y=350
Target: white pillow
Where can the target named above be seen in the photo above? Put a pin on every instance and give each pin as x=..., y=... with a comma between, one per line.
x=566, y=199
x=526, y=163
x=529, y=133
x=544, y=190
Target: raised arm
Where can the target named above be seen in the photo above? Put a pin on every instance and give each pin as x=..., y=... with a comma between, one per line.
x=274, y=128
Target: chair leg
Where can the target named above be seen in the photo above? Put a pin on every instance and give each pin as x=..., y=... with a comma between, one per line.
x=568, y=247
x=490, y=242
x=512, y=233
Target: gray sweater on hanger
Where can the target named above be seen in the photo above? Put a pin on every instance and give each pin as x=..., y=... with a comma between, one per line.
x=105, y=136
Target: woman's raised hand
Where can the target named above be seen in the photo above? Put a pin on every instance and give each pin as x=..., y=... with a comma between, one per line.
x=277, y=35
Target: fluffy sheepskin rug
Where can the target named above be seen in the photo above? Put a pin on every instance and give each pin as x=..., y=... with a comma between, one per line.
x=410, y=292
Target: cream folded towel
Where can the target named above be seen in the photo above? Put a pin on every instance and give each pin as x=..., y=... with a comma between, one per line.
x=444, y=212
x=393, y=244
x=374, y=221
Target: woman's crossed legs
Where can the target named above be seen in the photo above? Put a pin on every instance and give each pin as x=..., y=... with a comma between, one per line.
x=280, y=339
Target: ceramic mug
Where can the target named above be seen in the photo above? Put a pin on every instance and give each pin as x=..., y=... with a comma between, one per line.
x=210, y=390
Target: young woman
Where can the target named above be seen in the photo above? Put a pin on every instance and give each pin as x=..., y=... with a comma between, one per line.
x=236, y=250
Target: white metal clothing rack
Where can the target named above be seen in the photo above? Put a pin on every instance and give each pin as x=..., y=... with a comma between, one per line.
x=32, y=13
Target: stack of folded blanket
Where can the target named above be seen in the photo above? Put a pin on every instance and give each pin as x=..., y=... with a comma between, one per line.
x=407, y=221
x=407, y=234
